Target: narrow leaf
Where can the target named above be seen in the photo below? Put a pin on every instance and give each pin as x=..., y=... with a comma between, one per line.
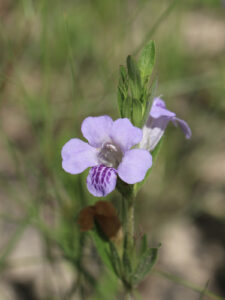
x=146, y=62
x=107, y=284
x=122, y=89
x=145, y=265
x=144, y=244
x=127, y=266
x=137, y=113
x=115, y=260
x=120, y=100
x=149, y=100
x=123, y=81
x=135, y=77
x=127, y=108
x=102, y=248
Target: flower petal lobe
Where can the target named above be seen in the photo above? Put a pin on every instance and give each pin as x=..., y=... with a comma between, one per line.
x=97, y=130
x=134, y=165
x=184, y=127
x=101, y=180
x=78, y=156
x=125, y=135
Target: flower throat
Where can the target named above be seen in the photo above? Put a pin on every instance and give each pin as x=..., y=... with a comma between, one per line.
x=110, y=155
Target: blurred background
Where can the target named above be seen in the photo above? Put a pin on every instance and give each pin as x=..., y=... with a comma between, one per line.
x=59, y=63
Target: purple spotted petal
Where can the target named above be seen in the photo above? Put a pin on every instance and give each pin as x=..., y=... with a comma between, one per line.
x=101, y=180
x=78, y=156
x=124, y=134
x=134, y=165
x=184, y=127
x=158, y=109
x=97, y=129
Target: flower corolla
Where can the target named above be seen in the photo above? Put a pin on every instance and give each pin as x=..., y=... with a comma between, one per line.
x=108, y=153
x=157, y=122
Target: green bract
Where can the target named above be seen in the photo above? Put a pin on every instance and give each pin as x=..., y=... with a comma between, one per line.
x=133, y=91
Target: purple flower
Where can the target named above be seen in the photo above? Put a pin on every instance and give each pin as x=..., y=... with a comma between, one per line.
x=108, y=153
x=157, y=122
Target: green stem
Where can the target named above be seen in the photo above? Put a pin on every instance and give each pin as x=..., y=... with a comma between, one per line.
x=128, y=244
x=130, y=225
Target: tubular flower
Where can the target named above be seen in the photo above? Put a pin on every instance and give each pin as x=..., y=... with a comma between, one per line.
x=157, y=122
x=108, y=153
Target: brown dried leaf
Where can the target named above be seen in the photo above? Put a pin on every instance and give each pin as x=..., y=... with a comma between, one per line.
x=104, y=213
x=86, y=218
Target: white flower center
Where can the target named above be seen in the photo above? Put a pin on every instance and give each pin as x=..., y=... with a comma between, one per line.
x=110, y=155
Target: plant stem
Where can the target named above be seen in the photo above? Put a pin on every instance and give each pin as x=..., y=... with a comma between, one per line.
x=130, y=225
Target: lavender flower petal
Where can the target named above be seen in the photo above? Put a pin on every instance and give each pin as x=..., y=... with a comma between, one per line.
x=124, y=134
x=159, y=109
x=183, y=126
x=134, y=165
x=153, y=131
x=97, y=129
x=101, y=180
x=157, y=122
x=78, y=156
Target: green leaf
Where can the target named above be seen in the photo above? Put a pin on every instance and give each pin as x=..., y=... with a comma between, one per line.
x=120, y=100
x=107, y=284
x=122, y=89
x=127, y=108
x=148, y=101
x=127, y=266
x=102, y=248
x=146, y=62
x=144, y=244
x=145, y=265
x=137, y=113
x=115, y=260
x=135, y=77
x=123, y=81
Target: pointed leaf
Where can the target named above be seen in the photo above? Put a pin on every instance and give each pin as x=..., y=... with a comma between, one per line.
x=135, y=77
x=144, y=244
x=102, y=249
x=137, y=113
x=107, y=284
x=122, y=89
x=145, y=265
x=127, y=108
x=115, y=260
x=148, y=101
x=146, y=62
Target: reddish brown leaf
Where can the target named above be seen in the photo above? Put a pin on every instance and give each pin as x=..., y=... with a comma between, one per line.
x=86, y=218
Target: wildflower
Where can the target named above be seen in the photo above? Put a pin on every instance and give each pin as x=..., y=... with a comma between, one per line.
x=108, y=153
x=157, y=122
